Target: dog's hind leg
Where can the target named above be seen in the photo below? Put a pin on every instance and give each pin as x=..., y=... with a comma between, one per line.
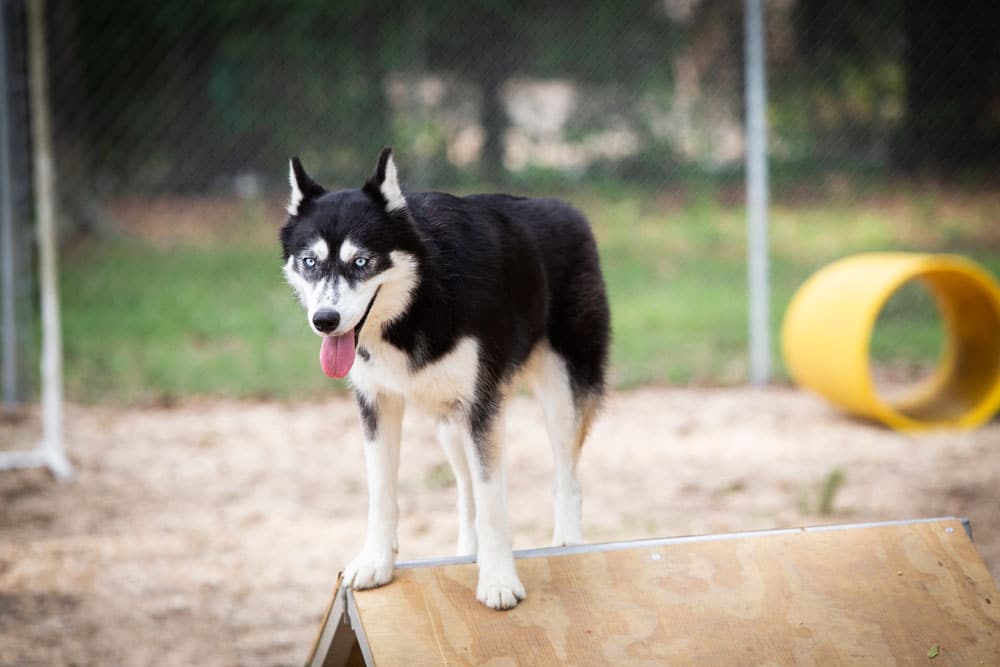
x=382, y=418
x=499, y=586
x=567, y=421
x=450, y=436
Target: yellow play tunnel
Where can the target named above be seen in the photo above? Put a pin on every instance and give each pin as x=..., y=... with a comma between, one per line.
x=828, y=328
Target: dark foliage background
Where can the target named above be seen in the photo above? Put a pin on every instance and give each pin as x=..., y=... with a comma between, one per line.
x=179, y=96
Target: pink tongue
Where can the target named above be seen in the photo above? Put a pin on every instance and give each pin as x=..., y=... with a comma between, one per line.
x=336, y=356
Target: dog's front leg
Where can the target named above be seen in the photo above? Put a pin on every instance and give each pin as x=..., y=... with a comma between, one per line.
x=499, y=586
x=382, y=417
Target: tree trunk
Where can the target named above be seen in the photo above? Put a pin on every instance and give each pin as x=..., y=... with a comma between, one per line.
x=494, y=120
x=493, y=67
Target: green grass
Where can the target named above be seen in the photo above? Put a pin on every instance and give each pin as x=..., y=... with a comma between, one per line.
x=678, y=285
x=147, y=324
x=150, y=320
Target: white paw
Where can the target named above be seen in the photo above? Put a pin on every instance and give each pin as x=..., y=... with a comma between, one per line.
x=368, y=571
x=499, y=592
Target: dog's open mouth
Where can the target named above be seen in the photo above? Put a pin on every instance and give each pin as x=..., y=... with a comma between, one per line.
x=336, y=354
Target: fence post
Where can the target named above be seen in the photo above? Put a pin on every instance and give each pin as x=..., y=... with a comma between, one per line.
x=757, y=192
x=52, y=389
x=8, y=285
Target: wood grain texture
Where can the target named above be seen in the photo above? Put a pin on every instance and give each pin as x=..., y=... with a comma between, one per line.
x=873, y=595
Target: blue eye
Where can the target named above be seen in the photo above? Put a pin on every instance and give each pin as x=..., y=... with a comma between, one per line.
x=360, y=262
x=309, y=261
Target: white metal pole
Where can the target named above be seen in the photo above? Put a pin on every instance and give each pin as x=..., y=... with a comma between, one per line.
x=757, y=192
x=52, y=431
x=8, y=290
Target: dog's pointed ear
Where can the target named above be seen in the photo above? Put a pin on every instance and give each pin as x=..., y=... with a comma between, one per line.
x=383, y=185
x=304, y=189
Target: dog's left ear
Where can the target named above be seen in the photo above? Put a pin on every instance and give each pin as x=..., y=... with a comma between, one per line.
x=383, y=185
x=304, y=189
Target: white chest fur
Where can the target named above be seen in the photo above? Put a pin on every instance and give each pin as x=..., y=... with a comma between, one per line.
x=435, y=387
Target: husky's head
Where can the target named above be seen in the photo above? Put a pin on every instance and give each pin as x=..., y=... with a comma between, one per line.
x=351, y=256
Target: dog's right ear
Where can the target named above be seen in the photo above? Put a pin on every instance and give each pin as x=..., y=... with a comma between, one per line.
x=383, y=185
x=304, y=189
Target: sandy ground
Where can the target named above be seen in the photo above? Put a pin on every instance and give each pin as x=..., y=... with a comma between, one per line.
x=211, y=533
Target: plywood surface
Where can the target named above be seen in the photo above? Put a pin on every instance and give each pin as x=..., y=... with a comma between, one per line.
x=873, y=595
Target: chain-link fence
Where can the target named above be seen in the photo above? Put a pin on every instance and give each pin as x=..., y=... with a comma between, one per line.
x=590, y=99
x=16, y=295
x=174, y=97
x=179, y=97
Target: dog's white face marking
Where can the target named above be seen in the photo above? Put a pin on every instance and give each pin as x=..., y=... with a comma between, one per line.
x=295, y=198
x=393, y=194
x=336, y=292
x=301, y=286
x=320, y=250
x=348, y=250
x=312, y=294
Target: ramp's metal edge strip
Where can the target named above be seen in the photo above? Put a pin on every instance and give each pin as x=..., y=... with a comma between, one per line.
x=359, y=628
x=966, y=524
x=665, y=541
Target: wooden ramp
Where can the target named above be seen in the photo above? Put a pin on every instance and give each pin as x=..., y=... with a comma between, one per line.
x=869, y=594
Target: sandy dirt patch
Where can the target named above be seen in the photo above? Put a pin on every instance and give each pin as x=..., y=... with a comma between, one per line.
x=211, y=533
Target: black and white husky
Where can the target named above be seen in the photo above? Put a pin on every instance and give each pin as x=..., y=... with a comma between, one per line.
x=449, y=303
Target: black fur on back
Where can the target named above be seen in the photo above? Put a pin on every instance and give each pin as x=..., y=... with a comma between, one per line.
x=510, y=271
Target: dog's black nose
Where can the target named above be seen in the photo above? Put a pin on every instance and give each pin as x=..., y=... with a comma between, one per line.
x=326, y=320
